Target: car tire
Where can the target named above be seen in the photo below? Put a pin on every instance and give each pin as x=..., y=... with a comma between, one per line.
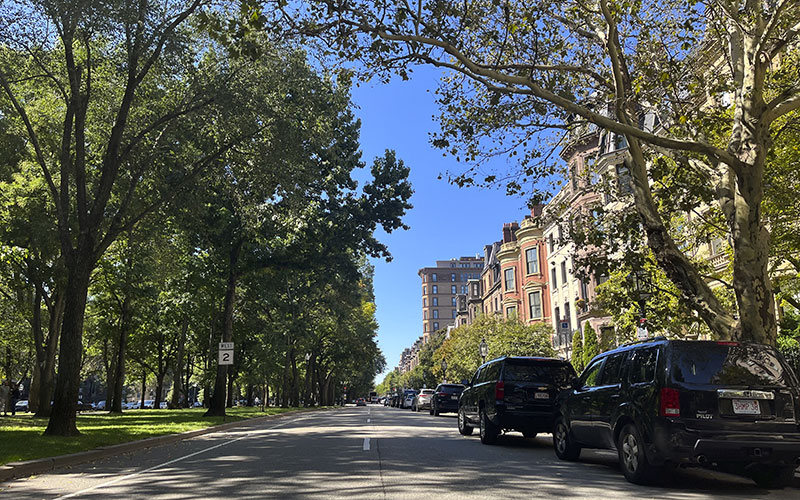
x=435, y=412
x=488, y=430
x=773, y=477
x=463, y=427
x=564, y=445
x=632, y=457
x=431, y=410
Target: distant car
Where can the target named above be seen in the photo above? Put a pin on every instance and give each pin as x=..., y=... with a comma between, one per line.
x=408, y=401
x=148, y=403
x=423, y=400
x=22, y=406
x=361, y=402
x=163, y=405
x=197, y=404
x=100, y=405
x=445, y=398
x=133, y=405
x=85, y=406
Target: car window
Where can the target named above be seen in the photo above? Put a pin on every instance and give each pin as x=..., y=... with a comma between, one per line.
x=728, y=364
x=493, y=372
x=450, y=389
x=612, y=371
x=557, y=374
x=643, y=366
x=590, y=377
x=477, y=377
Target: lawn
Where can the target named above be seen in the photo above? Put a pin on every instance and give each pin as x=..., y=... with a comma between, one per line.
x=21, y=436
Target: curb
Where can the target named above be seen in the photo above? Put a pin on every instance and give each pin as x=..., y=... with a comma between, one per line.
x=14, y=470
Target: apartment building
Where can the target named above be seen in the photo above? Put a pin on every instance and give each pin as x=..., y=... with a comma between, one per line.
x=441, y=285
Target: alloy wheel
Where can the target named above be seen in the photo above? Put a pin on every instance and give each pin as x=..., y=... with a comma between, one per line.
x=561, y=437
x=630, y=452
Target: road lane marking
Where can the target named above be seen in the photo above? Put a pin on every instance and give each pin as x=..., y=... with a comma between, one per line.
x=179, y=459
x=366, y=444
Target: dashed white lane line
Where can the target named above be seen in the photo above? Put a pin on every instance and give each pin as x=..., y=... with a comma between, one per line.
x=366, y=444
x=129, y=476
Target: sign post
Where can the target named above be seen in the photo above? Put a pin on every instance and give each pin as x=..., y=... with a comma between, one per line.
x=226, y=353
x=641, y=331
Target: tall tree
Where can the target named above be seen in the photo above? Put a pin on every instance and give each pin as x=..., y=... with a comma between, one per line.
x=520, y=71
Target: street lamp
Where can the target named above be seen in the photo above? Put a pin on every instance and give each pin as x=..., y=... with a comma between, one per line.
x=483, y=349
x=444, y=370
x=639, y=279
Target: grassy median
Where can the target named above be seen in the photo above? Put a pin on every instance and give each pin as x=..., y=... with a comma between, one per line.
x=21, y=436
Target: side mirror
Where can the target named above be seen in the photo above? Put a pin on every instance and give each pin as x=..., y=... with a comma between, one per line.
x=465, y=382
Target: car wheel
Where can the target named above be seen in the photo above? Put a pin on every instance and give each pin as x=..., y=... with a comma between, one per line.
x=435, y=412
x=632, y=457
x=563, y=444
x=774, y=477
x=431, y=410
x=463, y=427
x=488, y=431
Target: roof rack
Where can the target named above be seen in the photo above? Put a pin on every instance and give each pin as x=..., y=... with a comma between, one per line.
x=649, y=339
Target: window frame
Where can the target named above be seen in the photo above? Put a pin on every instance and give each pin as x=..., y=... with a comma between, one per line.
x=532, y=251
x=530, y=305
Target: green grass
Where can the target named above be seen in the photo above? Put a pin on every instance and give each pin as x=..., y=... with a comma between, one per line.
x=21, y=436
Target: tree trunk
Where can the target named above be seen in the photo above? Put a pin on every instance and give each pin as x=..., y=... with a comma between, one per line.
x=178, y=395
x=65, y=399
x=295, y=381
x=119, y=363
x=218, y=399
x=159, y=389
x=38, y=342
x=229, y=399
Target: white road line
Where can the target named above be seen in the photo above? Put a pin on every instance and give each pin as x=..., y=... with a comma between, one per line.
x=366, y=444
x=129, y=476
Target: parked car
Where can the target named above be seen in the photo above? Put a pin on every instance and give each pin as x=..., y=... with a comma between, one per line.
x=361, y=402
x=445, y=398
x=513, y=393
x=422, y=401
x=100, y=405
x=22, y=406
x=148, y=403
x=163, y=405
x=407, y=398
x=85, y=406
x=725, y=404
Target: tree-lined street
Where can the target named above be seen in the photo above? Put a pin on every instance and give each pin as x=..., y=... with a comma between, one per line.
x=372, y=452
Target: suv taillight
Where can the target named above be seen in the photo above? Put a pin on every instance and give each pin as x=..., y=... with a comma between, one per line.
x=499, y=390
x=670, y=403
x=441, y=394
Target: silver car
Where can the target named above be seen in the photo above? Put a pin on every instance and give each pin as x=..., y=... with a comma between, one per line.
x=423, y=400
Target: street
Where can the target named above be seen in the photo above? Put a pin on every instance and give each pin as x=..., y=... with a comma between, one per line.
x=372, y=452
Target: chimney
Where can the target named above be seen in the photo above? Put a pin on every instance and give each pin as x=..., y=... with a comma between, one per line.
x=536, y=210
x=510, y=232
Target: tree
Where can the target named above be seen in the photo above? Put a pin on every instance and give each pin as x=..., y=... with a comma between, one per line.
x=520, y=71
x=577, y=352
x=108, y=103
x=591, y=347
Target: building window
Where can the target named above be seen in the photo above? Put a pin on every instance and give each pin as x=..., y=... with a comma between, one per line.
x=535, y=301
x=434, y=277
x=511, y=312
x=464, y=289
x=624, y=179
x=496, y=304
x=435, y=326
x=563, y=272
x=554, y=277
x=424, y=278
x=453, y=301
x=425, y=314
x=532, y=260
x=454, y=314
x=558, y=315
x=453, y=289
x=425, y=327
x=550, y=242
x=424, y=290
x=435, y=301
x=452, y=276
x=584, y=290
x=560, y=236
x=435, y=314
x=434, y=289
x=509, y=275
x=566, y=312
x=425, y=302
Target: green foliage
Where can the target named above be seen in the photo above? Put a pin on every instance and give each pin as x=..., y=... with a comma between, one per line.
x=577, y=352
x=591, y=346
x=503, y=337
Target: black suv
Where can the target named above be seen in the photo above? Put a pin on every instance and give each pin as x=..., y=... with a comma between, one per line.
x=728, y=404
x=513, y=393
x=445, y=398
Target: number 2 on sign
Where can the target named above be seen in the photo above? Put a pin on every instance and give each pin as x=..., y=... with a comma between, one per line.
x=225, y=357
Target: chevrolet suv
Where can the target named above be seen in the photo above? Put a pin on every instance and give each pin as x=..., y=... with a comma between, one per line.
x=725, y=404
x=513, y=393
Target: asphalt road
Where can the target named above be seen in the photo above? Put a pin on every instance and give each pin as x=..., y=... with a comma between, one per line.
x=371, y=452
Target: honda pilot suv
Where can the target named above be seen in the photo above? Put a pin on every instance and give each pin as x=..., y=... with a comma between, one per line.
x=513, y=393
x=725, y=404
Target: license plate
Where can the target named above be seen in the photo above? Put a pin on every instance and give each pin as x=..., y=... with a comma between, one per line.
x=454, y=398
x=541, y=395
x=746, y=407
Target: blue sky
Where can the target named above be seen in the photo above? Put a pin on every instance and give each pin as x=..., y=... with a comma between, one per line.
x=399, y=116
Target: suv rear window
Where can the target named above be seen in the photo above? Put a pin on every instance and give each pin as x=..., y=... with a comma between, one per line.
x=722, y=364
x=557, y=374
x=451, y=389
